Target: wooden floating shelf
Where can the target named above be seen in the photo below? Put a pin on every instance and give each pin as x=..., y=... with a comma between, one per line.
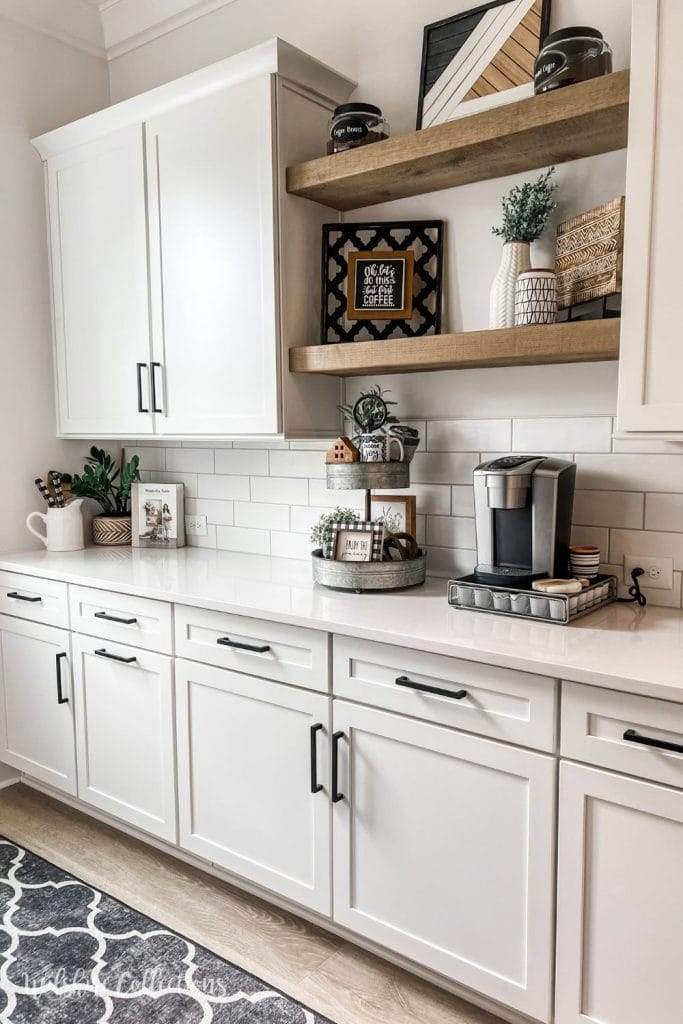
x=587, y=341
x=566, y=124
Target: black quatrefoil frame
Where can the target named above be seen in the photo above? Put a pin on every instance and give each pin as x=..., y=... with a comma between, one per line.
x=424, y=238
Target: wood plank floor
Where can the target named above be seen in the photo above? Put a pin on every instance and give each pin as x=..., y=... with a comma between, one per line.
x=326, y=973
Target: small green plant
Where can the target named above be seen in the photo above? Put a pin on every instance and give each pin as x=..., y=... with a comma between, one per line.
x=526, y=209
x=320, y=533
x=370, y=413
x=106, y=483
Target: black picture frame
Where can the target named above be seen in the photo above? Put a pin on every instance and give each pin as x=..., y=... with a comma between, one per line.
x=467, y=21
x=420, y=317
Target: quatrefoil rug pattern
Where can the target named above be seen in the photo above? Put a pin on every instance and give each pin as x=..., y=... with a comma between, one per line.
x=70, y=954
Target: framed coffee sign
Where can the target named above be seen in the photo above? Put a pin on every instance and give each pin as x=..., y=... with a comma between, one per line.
x=381, y=280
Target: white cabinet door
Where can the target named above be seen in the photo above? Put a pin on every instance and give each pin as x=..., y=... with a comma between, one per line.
x=124, y=731
x=98, y=231
x=620, y=900
x=36, y=702
x=651, y=361
x=443, y=852
x=253, y=793
x=212, y=208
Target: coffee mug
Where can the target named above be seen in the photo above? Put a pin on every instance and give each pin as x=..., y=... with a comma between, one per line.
x=378, y=447
x=63, y=527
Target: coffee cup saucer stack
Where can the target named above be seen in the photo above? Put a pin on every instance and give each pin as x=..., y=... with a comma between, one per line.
x=584, y=561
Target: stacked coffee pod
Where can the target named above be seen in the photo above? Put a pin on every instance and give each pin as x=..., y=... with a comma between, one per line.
x=584, y=561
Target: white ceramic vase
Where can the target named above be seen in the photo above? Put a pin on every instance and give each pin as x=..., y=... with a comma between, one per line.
x=515, y=260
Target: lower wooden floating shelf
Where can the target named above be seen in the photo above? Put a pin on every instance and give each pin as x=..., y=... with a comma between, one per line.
x=587, y=341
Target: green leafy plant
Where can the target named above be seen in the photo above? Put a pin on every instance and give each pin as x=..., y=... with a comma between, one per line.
x=370, y=414
x=526, y=209
x=107, y=483
x=320, y=533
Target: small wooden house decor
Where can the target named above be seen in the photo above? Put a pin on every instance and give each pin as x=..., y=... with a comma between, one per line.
x=343, y=450
x=590, y=255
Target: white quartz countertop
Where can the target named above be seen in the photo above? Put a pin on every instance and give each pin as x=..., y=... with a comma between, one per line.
x=620, y=647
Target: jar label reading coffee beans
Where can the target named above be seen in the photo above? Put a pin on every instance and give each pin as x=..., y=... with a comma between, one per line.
x=349, y=129
x=551, y=63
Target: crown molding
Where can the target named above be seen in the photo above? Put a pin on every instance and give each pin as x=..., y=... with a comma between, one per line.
x=129, y=24
x=74, y=22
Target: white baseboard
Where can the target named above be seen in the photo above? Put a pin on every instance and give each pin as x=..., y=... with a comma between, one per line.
x=8, y=776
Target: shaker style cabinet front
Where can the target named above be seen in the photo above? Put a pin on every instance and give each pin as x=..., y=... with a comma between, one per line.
x=36, y=702
x=620, y=900
x=651, y=359
x=443, y=852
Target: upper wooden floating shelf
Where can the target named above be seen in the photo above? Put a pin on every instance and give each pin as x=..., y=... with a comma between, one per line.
x=566, y=124
x=587, y=341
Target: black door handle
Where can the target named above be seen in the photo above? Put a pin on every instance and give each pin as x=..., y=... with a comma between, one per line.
x=140, y=366
x=336, y=795
x=114, y=618
x=225, y=641
x=315, y=785
x=631, y=736
x=153, y=375
x=61, y=699
x=23, y=597
x=115, y=657
x=424, y=688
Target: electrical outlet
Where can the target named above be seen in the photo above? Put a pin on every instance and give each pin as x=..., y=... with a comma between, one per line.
x=658, y=572
x=195, y=526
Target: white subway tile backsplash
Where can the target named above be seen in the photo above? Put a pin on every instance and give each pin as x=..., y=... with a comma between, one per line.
x=261, y=516
x=203, y=542
x=664, y=512
x=319, y=495
x=443, y=467
x=233, y=538
x=646, y=542
x=247, y=463
x=297, y=463
x=256, y=445
x=190, y=460
x=188, y=480
x=467, y=435
x=630, y=473
x=432, y=499
x=588, y=434
x=290, y=545
x=151, y=459
x=218, y=513
x=224, y=488
x=592, y=536
x=609, y=508
x=304, y=517
x=450, y=562
x=277, y=490
x=462, y=500
x=451, y=532
x=316, y=444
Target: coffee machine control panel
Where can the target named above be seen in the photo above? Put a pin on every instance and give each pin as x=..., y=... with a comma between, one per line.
x=510, y=462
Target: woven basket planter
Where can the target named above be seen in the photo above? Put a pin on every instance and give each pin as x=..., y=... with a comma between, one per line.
x=112, y=530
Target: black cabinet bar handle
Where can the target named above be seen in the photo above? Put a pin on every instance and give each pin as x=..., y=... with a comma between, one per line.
x=424, y=688
x=61, y=699
x=315, y=785
x=153, y=375
x=114, y=618
x=23, y=597
x=631, y=736
x=225, y=641
x=140, y=367
x=336, y=795
x=115, y=657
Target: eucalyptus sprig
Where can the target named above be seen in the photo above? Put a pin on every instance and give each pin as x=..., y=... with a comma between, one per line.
x=526, y=209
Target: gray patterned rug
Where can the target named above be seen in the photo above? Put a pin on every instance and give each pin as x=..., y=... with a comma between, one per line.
x=70, y=954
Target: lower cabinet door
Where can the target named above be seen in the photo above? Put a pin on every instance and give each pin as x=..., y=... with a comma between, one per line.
x=443, y=852
x=253, y=780
x=36, y=702
x=620, y=900
x=124, y=731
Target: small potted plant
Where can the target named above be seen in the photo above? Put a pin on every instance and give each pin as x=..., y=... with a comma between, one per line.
x=109, y=485
x=526, y=209
x=320, y=532
x=370, y=416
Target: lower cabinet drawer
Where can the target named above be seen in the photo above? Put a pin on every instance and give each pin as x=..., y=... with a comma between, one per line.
x=636, y=735
x=272, y=650
x=30, y=597
x=128, y=620
x=514, y=706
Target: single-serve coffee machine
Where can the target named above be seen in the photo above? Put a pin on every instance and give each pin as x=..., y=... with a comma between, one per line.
x=523, y=508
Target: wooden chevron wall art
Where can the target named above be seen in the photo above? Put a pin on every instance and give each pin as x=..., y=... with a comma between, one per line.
x=479, y=59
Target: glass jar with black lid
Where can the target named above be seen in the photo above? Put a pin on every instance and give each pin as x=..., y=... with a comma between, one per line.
x=356, y=124
x=571, y=55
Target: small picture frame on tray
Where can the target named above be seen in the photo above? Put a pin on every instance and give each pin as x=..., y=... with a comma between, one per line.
x=398, y=512
x=355, y=542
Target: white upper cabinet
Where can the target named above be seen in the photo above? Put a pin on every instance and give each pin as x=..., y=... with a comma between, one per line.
x=173, y=246
x=651, y=363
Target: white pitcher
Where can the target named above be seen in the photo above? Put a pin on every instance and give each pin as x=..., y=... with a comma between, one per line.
x=63, y=527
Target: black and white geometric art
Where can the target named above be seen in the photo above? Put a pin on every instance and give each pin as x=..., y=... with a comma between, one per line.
x=69, y=954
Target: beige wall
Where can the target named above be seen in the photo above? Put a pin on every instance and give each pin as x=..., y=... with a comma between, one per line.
x=43, y=83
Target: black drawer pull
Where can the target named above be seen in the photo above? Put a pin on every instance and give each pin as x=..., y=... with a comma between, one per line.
x=336, y=795
x=141, y=407
x=61, y=699
x=153, y=375
x=315, y=785
x=114, y=618
x=424, y=688
x=225, y=641
x=631, y=736
x=23, y=597
x=115, y=657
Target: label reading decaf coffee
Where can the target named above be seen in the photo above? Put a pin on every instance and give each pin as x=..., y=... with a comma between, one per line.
x=349, y=129
x=549, y=65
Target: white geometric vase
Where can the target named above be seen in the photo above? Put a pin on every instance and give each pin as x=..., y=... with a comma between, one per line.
x=536, y=298
x=515, y=260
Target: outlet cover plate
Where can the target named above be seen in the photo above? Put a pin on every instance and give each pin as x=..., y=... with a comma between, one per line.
x=659, y=572
x=195, y=526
